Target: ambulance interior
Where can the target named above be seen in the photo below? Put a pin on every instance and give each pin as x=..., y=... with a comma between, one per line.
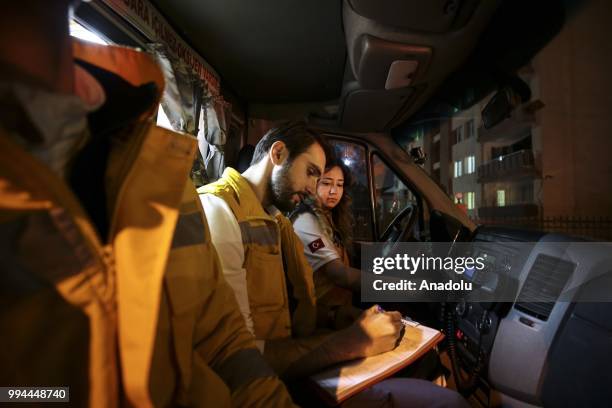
x=386, y=82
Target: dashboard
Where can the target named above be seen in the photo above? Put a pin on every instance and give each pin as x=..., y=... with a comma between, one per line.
x=522, y=324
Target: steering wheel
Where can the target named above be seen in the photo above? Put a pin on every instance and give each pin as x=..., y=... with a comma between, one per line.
x=395, y=232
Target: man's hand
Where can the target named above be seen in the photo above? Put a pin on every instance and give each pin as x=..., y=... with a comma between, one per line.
x=375, y=332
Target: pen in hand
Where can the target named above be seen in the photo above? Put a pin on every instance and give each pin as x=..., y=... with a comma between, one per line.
x=406, y=321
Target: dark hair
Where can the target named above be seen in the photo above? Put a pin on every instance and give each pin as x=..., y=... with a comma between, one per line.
x=296, y=136
x=342, y=214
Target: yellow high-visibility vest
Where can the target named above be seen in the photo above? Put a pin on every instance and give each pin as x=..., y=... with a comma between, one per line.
x=272, y=253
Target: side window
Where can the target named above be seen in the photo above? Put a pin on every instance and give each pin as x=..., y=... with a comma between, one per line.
x=391, y=195
x=354, y=157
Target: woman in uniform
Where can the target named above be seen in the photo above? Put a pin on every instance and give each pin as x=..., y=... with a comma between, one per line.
x=324, y=224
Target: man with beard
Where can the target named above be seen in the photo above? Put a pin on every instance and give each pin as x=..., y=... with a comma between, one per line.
x=263, y=261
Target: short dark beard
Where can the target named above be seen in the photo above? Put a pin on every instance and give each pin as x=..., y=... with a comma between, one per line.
x=280, y=189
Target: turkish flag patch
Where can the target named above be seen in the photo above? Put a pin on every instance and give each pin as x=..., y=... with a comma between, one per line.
x=316, y=245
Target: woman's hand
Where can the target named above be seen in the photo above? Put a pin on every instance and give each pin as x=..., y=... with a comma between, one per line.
x=342, y=275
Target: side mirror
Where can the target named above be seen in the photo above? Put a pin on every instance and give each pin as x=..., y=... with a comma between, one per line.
x=499, y=108
x=508, y=98
x=418, y=155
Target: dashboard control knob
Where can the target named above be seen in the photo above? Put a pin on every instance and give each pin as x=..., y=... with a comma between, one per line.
x=460, y=308
x=485, y=323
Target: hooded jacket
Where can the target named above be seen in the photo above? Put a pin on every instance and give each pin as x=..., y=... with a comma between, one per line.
x=109, y=283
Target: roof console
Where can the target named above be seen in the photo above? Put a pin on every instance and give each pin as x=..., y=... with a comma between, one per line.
x=399, y=51
x=432, y=16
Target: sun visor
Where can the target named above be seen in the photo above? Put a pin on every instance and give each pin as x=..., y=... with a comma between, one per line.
x=385, y=64
x=400, y=51
x=367, y=110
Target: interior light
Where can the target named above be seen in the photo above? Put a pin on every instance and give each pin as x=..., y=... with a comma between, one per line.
x=78, y=31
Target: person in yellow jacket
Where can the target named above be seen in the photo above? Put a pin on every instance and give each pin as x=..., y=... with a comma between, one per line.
x=263, y=261
x=262, y=257
x=109, y=283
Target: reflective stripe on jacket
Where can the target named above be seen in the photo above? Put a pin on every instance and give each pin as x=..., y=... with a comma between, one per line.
x=66, y=281
x=272, y=251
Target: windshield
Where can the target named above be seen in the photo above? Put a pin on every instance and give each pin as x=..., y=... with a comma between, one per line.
x=546, y=166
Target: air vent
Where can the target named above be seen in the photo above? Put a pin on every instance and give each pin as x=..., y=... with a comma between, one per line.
x=543, y=286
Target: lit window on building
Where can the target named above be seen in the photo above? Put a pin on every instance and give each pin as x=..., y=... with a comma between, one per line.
x=470, y=200
x=458, y=168
x=83, y=33
x=501, y=198
x=470, y=164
